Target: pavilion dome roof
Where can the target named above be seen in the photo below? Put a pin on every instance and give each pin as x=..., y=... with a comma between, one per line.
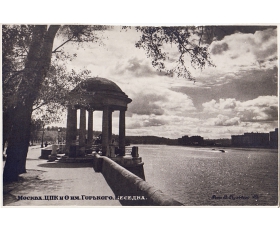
x=96, y=92
x=98, y=84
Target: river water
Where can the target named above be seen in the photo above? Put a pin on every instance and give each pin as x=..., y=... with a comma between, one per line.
x=203, y=176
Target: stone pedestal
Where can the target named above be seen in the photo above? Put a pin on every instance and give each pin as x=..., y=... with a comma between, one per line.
x=112, y=151
x=53, y=155
x=45, y=153
x=132, y=164
x=134, y=152
x=54, y=150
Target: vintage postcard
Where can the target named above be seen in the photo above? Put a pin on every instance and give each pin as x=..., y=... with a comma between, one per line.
x=99, y=115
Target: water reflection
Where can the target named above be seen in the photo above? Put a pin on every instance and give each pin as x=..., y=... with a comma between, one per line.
x=202, y=176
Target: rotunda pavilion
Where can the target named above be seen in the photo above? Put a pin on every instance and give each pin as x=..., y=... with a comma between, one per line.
x=95, y=94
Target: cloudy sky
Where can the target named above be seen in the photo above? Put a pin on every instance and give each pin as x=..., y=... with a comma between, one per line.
x=238, y=95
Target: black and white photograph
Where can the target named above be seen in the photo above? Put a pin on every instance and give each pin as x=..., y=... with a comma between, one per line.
x=117, y=115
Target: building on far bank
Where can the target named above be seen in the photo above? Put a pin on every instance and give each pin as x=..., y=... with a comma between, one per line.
x=255, y=139
x=192, y=141
x=217, y=142
x=273, y=138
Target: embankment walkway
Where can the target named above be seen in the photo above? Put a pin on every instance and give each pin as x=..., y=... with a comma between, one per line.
x=71, y=184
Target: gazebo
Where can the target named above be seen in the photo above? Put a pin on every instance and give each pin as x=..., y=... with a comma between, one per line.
x=95, y=94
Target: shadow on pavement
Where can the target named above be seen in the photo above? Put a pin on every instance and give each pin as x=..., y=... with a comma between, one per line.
x=65, y=165
x=27, y=183
x=33, y=158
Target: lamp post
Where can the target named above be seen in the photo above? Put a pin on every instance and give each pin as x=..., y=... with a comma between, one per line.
x=44, y=122
x=58, y=135
x=42, y=142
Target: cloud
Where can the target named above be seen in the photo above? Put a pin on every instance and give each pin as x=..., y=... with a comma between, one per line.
x=240, y=52
x=223, y=104
x=265, y=44
x=154, y=96
x=136, y=67
x=220, y=119
x=226, y=121
x=242, y=86
x=219, y=48
x=224, y=100
x=146, y=104
x=154, y=122
x=171, y=126
x=262, y=108
x=141, y=121
x=133, y=125
x=222, y=31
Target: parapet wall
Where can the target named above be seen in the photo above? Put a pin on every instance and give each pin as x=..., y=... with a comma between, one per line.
x=129, y=188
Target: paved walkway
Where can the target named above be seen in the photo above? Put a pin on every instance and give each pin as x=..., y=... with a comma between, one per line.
x=65, y=180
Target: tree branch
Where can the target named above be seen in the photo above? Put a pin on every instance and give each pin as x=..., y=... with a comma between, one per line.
x=39, y=106
x=56, y=50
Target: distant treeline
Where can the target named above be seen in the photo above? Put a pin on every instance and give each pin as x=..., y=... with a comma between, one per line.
x=167, y=141
x=150, y=140
x=51, y=134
